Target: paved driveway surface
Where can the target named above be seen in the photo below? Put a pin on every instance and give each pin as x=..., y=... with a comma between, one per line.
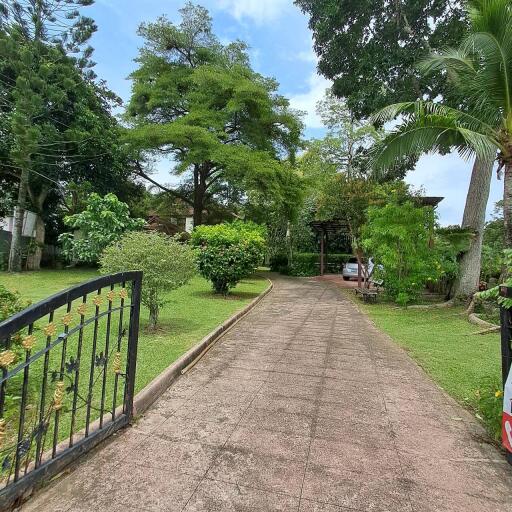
x=303, y=406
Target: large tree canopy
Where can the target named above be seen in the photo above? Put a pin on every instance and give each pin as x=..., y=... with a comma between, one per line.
x=199, y=102
x=369, y=48
x=36, y=37
x=56, y=122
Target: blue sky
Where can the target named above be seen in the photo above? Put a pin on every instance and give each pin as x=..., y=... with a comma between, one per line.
x=281, y=47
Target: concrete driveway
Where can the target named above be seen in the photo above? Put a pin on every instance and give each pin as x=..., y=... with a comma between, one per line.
x=302, y=406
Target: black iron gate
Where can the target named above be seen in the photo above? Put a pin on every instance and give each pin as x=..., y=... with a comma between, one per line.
x=67, y=367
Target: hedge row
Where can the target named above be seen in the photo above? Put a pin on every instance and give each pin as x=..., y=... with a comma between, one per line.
x=307, y=264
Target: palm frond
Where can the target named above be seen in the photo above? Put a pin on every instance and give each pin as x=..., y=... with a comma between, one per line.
x=430, y=133
x=454, y=61
x=420, y=109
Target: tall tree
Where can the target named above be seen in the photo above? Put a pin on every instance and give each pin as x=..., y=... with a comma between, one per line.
x=200, y=103
x=348, y=143
x=37, y=34
x=480, y=69
x=370, y=50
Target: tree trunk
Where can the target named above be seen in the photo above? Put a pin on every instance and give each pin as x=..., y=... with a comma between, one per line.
x=507, y=205
x=199, y=194
x=467, y=282
x=153, y=317
x=34, y=259
x=17, y=232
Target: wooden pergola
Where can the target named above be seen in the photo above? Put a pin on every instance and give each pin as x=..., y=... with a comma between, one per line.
x=324, y=228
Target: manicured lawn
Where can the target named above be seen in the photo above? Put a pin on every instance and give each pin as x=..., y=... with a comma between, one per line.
x=468, y=367
x=190, y=313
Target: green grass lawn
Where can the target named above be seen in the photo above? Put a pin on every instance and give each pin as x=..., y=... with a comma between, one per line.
x=467, y=366
x=190, y=313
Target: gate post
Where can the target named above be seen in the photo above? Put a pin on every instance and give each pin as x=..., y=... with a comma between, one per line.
x=506, y=356
x=133, y=338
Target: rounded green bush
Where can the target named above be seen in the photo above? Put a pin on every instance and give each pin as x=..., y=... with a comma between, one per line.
x=228, y=252
x=167, y=264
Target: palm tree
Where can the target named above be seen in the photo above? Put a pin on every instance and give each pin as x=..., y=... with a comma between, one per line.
x=480, y=73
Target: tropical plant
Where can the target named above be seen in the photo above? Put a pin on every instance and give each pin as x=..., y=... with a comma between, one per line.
x=228, y=252
x=400, y=238
x=104, y=221
x=492, y=250
x=166, y=265
x=480, y=72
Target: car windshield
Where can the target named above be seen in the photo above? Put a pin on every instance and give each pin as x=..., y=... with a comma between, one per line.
x=352, y=260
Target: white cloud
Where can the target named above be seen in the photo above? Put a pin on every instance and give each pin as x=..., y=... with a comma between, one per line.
x=448, y=176
x=258, y=10
x=307, y=101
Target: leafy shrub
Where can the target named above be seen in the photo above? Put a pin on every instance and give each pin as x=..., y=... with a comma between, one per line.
x=103, y=221
x=400, y=238
x=166, y=263
x=228, y=252
x=307, y=264
x=10, y=304
x=493, y=294
x=278, y=262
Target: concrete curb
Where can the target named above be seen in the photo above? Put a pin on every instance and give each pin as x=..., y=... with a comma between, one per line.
x=147, y=396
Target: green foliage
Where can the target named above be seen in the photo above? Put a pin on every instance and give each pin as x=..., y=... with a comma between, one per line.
x=363, y=45
x=11, y=303
x=308, y=264
x=479, y=72
x=449, y=243
x=399, y=237
x=347, y=146
x=493, y=245
x=228, y=252
x=57, y=124
x=103, y=221
x=223, y=123
x=278, y=262
x=166, y=263
x=493, y=294
x=489, y=405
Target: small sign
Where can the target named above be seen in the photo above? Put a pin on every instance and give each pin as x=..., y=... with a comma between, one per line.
x=506, y=429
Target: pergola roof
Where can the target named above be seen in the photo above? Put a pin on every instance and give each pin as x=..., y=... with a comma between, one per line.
x=429, y=200
x=330, y=226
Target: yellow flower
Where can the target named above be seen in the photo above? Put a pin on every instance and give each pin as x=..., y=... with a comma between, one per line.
x=7, y=357
x=67, y=318
x=50, y=329
x=123, y=293
x=498, y=394
x=111, y=295
x=98, y=300
x=82, y=309
x=28, y=342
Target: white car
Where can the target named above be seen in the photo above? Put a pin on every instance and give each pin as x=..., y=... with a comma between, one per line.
x=350, y=269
